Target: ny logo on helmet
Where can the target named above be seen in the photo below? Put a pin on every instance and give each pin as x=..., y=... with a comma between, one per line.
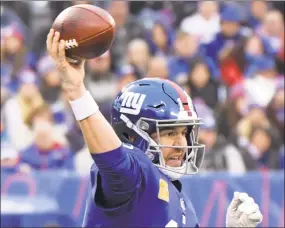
x=132, y=103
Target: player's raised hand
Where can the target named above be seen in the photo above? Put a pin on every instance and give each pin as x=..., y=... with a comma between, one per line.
x=72, y=72
x=243, y=212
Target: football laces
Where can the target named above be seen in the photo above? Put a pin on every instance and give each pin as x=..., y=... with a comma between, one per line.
x=69, y=44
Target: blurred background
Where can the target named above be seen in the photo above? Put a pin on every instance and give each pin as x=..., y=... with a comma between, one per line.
x=229, y=56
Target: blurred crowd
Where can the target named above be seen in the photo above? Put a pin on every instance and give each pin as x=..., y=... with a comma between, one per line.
x=229, y=56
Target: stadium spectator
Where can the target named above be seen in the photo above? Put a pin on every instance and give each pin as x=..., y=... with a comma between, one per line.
x=127, y=29
x=204, y=24
x=15, y=55
x=126, y=75
x=258, y=11
x=255, y=48
x=44, y=113
x=275, y=109
x=272, y=29
x=50, y=79
x=157, y=67
x=9, y=154
x=46, y=152
x=22, y=105
x=160, y=38
x=19, y=12
x=9, y=16
x=229, y=36
x=181, y=10
x=100, y=79
x=201, y=83
x=220, y=155
x=232, y=65
x=256, y=117
x=262, y=154
x=235, y=108
x=185, y=47
x=263, y=83
x=147, y=18
x=241, y=61
x=50, y=88
x=138, y=62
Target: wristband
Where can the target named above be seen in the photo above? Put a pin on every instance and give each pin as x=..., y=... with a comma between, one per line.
x=84, y=106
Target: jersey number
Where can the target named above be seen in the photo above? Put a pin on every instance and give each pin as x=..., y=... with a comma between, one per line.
x=171, y=224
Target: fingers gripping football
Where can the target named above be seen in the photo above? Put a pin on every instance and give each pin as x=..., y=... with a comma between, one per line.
x=71, y=74
x=61, y=55
x=55, y=44
x=56, y=49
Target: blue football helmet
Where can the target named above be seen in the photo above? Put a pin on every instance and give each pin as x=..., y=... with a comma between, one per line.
x=147, y=106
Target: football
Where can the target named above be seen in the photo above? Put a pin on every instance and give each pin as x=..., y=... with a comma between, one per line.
x=88, y=30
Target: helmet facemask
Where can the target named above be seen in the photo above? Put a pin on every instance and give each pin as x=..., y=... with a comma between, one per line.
x=194, y=152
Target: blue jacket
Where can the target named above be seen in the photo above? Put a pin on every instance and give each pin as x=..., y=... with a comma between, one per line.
x=170, y=38
x=213, y=48
x=57, y=157
x=178, y=65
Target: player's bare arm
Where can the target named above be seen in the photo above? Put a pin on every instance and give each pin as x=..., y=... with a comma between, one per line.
x=98, y=133
x=100, y=137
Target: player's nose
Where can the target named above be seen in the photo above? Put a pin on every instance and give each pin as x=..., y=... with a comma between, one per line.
x=180, y=140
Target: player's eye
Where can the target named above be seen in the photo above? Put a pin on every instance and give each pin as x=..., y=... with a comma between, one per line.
x=171, y=133
x=166, y=133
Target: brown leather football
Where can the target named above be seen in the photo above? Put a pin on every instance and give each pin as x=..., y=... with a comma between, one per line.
x=88, y=30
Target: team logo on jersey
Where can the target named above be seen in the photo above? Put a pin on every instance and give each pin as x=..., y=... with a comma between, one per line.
x=132, y=103
x=163, y=193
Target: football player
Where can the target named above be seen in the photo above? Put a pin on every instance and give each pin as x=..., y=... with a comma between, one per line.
x=152, y=142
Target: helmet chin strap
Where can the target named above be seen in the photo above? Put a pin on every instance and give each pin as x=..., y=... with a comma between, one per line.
x=134, y=127
x=174, y=173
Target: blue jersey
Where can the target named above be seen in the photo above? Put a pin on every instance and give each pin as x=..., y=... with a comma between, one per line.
x=127, y=190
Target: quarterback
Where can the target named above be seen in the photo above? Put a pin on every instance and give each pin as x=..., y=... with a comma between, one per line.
x=138, y=159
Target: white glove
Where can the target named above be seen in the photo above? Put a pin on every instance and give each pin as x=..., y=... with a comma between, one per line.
x=243, y=212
